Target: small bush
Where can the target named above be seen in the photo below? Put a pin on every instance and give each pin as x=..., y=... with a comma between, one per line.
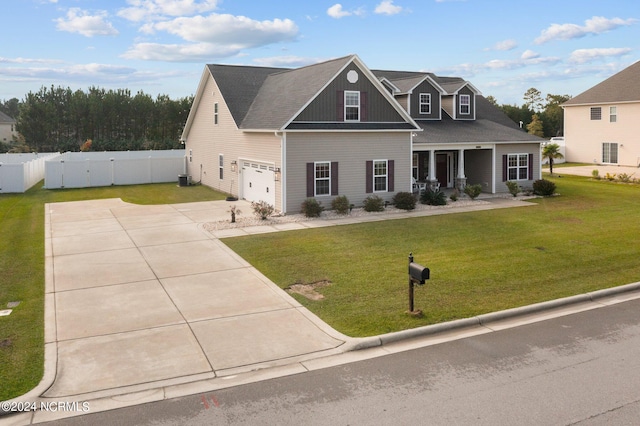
x=433, y=198
x=262, y=209
x=404, y=201
x=625, y=177
x=544, y=187
x=311, y=207
x=595, y=174
x=513, y=187
x=341, y=204
x=473, y=190
x=373, y=203
x=610, y=177
x=455, y=195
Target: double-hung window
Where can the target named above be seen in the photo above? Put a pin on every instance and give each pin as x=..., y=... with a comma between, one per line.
x=465, y=104
x=425, y=103
x=610, y=152
x=518, y=167
x=596, y=113
x=215, y=113
x=221, y=166
x=613, y=114
x=380, y=175
x=322, y=180
x=351, y=105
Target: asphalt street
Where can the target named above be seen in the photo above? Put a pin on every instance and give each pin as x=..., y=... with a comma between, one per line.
x=578, y=369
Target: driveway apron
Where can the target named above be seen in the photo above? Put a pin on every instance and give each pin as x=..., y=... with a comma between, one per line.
x=137, y=296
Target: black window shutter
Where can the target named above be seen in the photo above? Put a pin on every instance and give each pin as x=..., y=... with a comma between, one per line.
x=530, y=166
x=340, y=105
x=364, y=112
x=369, y=177
x=504, y=168
x=310, y=179
x=390, y=174
x=334, y=178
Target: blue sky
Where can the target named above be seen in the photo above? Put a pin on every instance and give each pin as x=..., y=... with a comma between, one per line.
x=161, y=46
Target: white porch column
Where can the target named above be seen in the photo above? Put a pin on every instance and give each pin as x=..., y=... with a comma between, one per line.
x=461, y=164
x=432, y=165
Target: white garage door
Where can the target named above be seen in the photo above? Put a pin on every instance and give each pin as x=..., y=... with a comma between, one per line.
x=258, y=183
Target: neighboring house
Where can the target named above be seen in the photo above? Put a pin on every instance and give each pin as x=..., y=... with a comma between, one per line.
x=338, y=128
x=7, y=128
x=599, y=123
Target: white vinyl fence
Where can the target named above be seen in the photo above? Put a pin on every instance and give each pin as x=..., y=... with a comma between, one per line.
x=19, y=172
x=86, y=169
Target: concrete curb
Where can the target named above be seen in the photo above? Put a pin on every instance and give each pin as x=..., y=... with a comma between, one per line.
x=384, y=339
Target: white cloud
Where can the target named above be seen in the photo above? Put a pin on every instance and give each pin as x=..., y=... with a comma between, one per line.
x=387, y=8
x=529, y=54
x=505, y=45
x=81, y=22
x=199, y=52
x=142, y=10
x=336, y=11
x=229, y=29
x=595, y=25
x=287, y=61
x=582, y=56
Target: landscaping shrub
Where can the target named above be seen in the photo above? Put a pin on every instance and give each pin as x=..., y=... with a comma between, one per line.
x=373, y=203
x=455, y=195
x=544, y=187
x=341, y=204
x=433, y=198
x=311, y=207
x=404, y=201
x=262, y=209
x=595, y=174
x=513, y=187
x=473, y=190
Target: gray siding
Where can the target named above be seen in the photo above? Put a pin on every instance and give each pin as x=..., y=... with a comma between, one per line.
x=472, y=107
x=425, y=87
x=506, y=149
x=477, y=168
x=324, y=107
x=351, y=151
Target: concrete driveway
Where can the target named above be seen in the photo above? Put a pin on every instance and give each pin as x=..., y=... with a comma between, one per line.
x=602, y=170
x=141, y=296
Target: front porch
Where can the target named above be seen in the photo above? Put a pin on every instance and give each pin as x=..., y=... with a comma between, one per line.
x=451, y=169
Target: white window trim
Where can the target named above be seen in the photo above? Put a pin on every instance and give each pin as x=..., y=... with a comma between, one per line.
x=468, y=105
x=215, y=113
x=613, y=114
x=316, y=178
x=427, y=103
x=221, y=166
x=346, y=93
x=518, y=166
x=386, y=176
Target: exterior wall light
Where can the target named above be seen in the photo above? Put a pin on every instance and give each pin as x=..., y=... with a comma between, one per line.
x=276, y=175
x=234, y=165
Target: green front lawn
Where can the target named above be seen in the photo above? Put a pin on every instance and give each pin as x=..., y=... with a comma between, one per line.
x=583, y=240
x=22, y=269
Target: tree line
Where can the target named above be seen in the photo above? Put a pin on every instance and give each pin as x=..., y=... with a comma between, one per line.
x=540, y=117
x=57, y=119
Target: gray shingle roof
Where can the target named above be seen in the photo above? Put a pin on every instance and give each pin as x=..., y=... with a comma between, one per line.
x=284, y=93
x=5, y=119
x=621, y=87
x=491, y=125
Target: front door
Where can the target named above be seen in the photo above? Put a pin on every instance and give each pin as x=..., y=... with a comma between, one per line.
x=443, y=161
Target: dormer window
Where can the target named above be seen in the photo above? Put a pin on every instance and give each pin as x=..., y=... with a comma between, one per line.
x=351, y=105
x=465, y=104
x=425, y=103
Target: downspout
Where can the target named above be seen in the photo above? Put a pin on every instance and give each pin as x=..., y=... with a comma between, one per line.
x=283, y=171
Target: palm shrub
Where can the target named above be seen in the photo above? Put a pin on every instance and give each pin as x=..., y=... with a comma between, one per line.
x=404, y=201
x=373, y=203
x=473, y=190
x=341, y=204
x=433, y=198
x=544, y=187
x=513, y=187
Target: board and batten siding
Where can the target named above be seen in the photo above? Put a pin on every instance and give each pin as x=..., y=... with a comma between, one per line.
x=351, y=151
x=206, y=141
x=425, y=87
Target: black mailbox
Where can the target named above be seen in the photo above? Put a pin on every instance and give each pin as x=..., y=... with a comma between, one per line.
x=418, y=273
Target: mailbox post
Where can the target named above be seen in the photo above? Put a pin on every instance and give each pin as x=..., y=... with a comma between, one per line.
x=418, y=274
